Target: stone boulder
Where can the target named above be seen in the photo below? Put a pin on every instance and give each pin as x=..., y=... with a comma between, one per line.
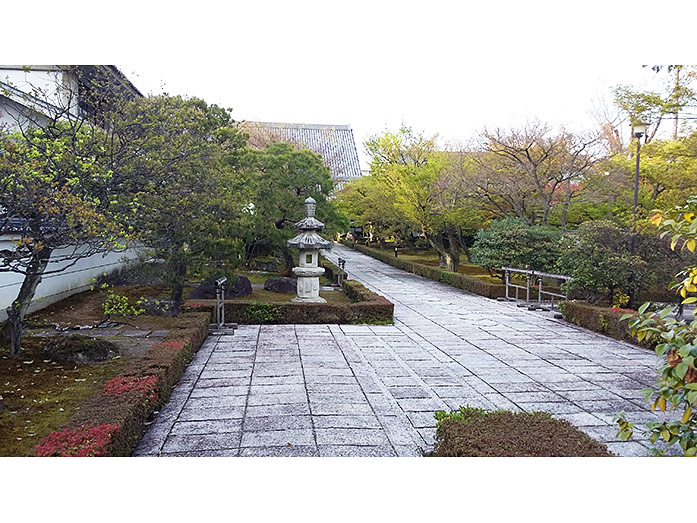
x=284, y=285
x=206, y=291
x=80, y=350
x=241, y=287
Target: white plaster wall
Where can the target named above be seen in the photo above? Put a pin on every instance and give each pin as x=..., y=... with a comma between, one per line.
x=12, y=115
x=51, y=86
x=55, y=287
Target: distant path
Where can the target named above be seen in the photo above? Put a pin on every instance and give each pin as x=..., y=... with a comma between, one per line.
x=353, y=390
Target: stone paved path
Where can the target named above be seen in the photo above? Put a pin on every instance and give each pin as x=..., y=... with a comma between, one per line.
x=354, y=390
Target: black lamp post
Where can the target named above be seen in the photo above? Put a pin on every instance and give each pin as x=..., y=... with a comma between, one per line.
x=639, y=131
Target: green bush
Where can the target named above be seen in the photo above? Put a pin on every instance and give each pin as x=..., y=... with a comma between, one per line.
x=597, y=256
x=511, y=242
x=261, y=312
x=604, y=320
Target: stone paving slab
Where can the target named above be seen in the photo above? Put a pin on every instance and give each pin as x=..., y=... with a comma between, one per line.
x=367, y=390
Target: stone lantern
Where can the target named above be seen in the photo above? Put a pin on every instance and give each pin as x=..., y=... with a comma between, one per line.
x=309, y=243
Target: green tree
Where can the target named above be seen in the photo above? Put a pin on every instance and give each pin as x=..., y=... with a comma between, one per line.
x=54, y=186
x=409, y=166
x=183, y=160
x=512, y=242
x=651, y=107
x=366, y=202
x=280, y=178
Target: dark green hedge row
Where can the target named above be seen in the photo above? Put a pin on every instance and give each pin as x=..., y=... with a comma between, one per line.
x=331, y=271
x=455, y=279
x=368, y=307
x=600, y=319
x=126, y=411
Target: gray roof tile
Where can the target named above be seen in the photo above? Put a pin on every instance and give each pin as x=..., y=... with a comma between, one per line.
x=335, y=143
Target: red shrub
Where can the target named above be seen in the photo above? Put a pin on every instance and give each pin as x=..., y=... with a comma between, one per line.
x=80, y=442
x=122, y=384
x=196, y=304
x=177, y=344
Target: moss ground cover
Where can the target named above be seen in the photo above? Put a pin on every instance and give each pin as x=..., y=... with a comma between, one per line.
x=53, y=408
x=85, y=308
x=40, y=396
x=470, y=432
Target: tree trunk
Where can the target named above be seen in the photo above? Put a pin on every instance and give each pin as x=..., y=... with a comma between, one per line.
x=565, y=208
x=288, y=260
x=179, y=267
x=468, y=254
x=452, y=259
x=447, y=258
x=19, y=307
x=675, y=96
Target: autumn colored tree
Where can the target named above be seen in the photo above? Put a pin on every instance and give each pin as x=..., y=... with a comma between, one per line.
x=527, y=172
x=54, y=182
x=410, y=166
x=675, y=344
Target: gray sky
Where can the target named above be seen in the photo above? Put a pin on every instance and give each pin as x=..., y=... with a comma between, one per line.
x=445, y=67
x=455, y=103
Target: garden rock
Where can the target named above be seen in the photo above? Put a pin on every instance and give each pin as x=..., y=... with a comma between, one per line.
x=159, y=307
x=206, y=290
x=80, y=350
x=242, y=287
x=284, y=285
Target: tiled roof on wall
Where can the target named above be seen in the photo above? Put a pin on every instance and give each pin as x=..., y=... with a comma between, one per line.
x=334, y=143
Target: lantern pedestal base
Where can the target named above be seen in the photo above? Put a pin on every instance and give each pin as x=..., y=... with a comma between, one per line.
x=308, y=285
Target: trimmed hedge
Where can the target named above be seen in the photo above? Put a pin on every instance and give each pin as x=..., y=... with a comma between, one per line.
x=476, y=433
x=454, y=279
x=367, y=307
x=601, y=319
x=331, y=271
x=113, y=422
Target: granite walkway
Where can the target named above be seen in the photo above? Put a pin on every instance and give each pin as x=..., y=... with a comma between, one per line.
x=355, y=390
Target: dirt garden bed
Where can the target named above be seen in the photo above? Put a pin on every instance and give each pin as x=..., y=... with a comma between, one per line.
x=472, y=432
